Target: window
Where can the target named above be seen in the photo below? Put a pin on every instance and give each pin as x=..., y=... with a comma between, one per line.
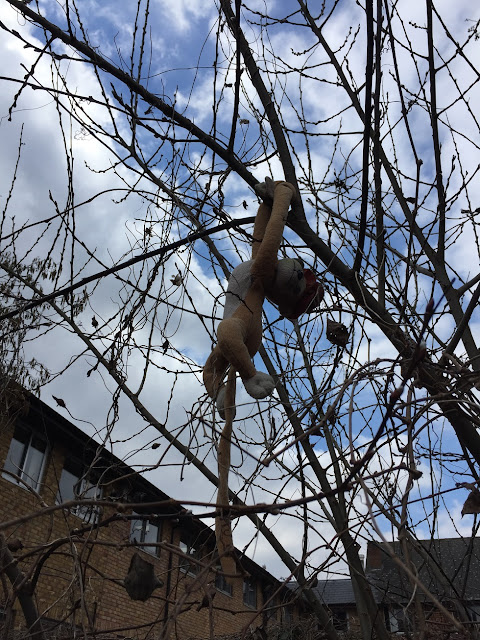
x=473, y=609
x=287, y=616
x=222, y=584
x=340, y=620
x=143, y=531
x=26, y=457
x=249, y=593
x=189, y=547
x=398, y=620
x=74, y=485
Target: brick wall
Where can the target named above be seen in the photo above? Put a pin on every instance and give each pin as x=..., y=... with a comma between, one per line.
x=81, y=574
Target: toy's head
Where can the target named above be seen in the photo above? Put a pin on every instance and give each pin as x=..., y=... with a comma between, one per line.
x=295, y=289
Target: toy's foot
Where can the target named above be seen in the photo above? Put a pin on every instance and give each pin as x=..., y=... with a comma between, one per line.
x=260, y=385
x=221, y=404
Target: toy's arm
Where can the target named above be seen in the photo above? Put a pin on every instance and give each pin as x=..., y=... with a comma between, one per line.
x=261, y=221
x=265, y=256
x=265, y=191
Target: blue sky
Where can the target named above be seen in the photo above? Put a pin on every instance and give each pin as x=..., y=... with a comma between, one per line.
x=181, y=49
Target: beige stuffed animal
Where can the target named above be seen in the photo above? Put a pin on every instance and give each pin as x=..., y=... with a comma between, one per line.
x=284, y=282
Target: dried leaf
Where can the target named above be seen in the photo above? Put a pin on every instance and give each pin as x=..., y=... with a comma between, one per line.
x=176, y=280
x=15, y=544
x=472, y=503
x=337, y=333
x=60, y=402
x=141, y=581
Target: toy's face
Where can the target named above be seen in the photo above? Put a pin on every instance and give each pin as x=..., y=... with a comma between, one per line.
x=288, y=287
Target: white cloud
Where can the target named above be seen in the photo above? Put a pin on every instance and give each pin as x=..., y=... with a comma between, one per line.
x=182, y=15
x=111, y=230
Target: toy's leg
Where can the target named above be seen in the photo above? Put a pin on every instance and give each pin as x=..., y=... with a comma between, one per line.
x=231, y=335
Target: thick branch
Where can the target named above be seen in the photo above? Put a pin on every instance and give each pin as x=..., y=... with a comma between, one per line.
x=22, y=588
x=267, y=102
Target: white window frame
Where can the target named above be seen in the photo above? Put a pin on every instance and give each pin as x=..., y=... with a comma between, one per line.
x=143, y=530
x=82, y=488
x=189, y=548
x=24, y=453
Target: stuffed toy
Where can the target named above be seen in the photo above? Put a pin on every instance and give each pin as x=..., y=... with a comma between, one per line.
x=294, y=290
x=283, y=282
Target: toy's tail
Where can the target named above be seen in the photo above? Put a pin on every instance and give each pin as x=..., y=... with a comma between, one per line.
x=223, y=525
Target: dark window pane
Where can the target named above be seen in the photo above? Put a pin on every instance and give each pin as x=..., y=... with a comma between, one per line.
x=187, y=547
x=287, y=614
x=87, y=491
x=399, y=622
x=222, y=584
x=473, y=611
x=340, y=620
x=66, y=486
x=73, y=486
x=249, y=593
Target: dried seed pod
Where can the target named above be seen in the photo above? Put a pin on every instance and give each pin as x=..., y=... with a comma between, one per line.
x=141, y=581
x=337, y=333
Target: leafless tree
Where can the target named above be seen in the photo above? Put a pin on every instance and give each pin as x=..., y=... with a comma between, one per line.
x=371, y=116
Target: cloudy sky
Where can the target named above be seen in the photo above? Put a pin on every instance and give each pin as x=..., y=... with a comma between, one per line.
x=115, y=206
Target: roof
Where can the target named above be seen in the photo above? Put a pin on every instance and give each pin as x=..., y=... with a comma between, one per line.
x=335, y=592
x=449, y=568
x=57, y=429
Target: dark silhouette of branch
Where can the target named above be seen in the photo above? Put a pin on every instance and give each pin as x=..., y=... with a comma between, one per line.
x=22, y=588
x=367, y=124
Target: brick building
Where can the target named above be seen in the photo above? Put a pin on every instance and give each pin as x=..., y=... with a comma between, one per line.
x=449, y=568
x=75, y=560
